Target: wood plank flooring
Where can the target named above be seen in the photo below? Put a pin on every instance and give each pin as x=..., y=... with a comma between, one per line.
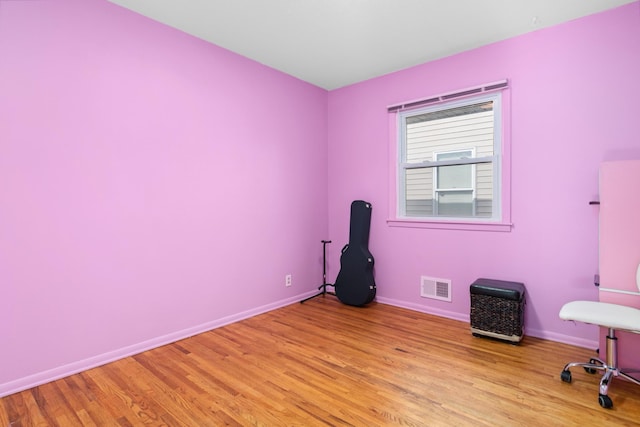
x=324, y=363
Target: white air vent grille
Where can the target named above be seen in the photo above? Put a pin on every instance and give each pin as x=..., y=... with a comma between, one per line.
x=439, y=289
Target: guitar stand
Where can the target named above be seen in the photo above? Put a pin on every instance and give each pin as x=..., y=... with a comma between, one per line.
x=324, y=285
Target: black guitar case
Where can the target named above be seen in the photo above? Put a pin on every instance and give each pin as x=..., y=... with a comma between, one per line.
x=355, y=284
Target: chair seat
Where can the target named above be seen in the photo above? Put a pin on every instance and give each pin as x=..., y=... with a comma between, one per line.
x=603, y=314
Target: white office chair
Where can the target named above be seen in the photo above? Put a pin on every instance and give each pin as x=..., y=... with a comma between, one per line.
x=614, y=317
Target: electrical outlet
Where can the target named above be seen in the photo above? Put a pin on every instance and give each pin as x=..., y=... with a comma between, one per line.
x=287, y=280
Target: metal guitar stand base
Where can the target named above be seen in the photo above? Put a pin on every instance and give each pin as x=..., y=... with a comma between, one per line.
x=323, y=287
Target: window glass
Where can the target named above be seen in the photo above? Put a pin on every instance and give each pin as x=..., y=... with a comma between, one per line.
x=449, y=160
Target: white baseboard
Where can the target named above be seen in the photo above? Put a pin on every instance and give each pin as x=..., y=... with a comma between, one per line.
x=423, y=309
x=101, y=359
x=551, y=336
x=111, y=356
x=565, y=339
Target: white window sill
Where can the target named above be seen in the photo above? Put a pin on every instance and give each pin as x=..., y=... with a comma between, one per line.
x=450, y=225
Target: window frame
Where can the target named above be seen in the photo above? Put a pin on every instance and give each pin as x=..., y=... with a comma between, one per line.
x=501, y=215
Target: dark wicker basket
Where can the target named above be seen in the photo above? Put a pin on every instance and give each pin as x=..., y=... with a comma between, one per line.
x=497, y=309
x=497, y=315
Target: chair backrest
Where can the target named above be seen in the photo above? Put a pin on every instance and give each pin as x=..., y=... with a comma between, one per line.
x=638, y=277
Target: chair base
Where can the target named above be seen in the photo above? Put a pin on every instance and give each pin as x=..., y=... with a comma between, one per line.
x=609, y=370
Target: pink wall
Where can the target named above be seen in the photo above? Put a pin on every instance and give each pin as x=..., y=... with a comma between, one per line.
x=574, y=103
x=155, y=186
x=152, y=186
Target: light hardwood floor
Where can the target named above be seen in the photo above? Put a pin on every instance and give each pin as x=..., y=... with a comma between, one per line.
x=325, y=363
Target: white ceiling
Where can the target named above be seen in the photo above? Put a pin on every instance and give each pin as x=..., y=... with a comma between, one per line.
x=334, y=43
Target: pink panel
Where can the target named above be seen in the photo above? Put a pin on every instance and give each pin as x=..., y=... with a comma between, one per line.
x=620, y=246
x=619, y=225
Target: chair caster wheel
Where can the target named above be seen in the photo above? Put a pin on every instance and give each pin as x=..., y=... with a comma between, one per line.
x=589, y=370
x=605, y=401
x=565, y=376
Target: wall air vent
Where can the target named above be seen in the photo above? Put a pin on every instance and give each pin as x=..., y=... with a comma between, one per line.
x=439, y=289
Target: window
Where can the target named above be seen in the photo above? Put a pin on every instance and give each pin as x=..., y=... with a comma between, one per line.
x=450, y=159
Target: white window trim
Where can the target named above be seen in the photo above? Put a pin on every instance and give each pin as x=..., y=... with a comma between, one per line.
x=502, y=172
x=495, y=159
